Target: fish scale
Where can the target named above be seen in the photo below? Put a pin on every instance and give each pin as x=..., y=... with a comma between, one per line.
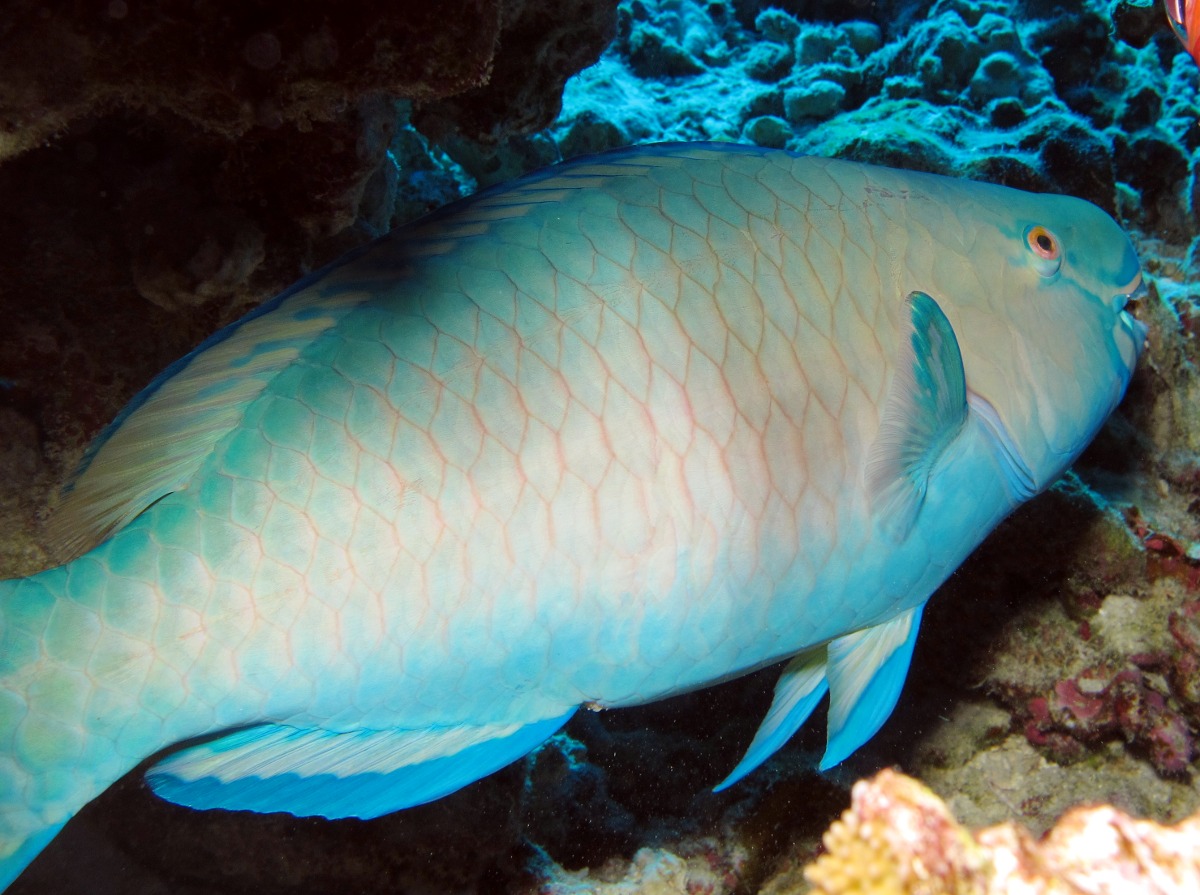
x=619, y=430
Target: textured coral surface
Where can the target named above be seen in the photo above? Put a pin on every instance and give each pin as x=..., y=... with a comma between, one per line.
x=897, y=838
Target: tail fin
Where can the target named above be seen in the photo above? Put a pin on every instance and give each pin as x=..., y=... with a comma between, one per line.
x=46, y=697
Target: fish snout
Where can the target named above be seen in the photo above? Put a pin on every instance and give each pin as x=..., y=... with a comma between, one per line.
x=1130, y=332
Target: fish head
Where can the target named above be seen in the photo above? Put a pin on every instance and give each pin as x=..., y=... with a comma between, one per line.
x=1043, y=317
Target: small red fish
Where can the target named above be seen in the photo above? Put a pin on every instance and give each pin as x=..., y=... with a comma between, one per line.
x=1184, y=16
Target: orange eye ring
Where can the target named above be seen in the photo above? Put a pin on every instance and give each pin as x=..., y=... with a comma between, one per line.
x=1043, y=243
x=1047, y=251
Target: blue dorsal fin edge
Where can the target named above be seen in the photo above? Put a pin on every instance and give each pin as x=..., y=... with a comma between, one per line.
x=313, y=772
x=925, y=409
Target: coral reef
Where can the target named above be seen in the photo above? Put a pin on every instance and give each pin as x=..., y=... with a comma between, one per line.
x=1049, y=101
x=649, y=872
x=540, y=46
x=1105, y=656
x=897, y=837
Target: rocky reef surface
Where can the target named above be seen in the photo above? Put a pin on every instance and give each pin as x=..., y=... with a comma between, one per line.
x=145, y=205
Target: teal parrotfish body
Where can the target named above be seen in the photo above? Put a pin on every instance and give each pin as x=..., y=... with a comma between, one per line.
x=618, y=430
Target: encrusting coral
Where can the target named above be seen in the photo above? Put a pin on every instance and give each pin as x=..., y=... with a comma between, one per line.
x=898, y=838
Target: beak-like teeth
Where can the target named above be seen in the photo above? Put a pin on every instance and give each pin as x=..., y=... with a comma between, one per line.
x=1132, y=294
x=1128, y=304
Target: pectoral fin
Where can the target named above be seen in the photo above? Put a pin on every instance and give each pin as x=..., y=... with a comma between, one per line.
x=797, y=693
x=926, y=408
x=866, y=672
x=359, y=773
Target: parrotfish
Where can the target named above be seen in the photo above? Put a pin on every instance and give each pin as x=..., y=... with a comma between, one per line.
x=624, y=428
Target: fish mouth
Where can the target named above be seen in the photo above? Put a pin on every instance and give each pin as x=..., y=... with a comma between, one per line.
x=1131, y=332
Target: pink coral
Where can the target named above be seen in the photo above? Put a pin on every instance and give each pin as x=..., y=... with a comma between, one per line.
x=1168, y=556
x=1099, y=705
x=898, y=838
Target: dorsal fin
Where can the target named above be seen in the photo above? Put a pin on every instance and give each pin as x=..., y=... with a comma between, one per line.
x=159, y=440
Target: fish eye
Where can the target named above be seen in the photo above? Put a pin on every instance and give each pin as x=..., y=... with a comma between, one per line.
x=1047, y=252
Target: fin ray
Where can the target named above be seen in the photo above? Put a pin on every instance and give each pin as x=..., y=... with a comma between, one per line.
x=801, y=686
x=311, y=771
x=866, y=672
x=925, y=411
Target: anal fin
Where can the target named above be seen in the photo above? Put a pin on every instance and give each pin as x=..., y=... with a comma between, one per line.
x=359, y=773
